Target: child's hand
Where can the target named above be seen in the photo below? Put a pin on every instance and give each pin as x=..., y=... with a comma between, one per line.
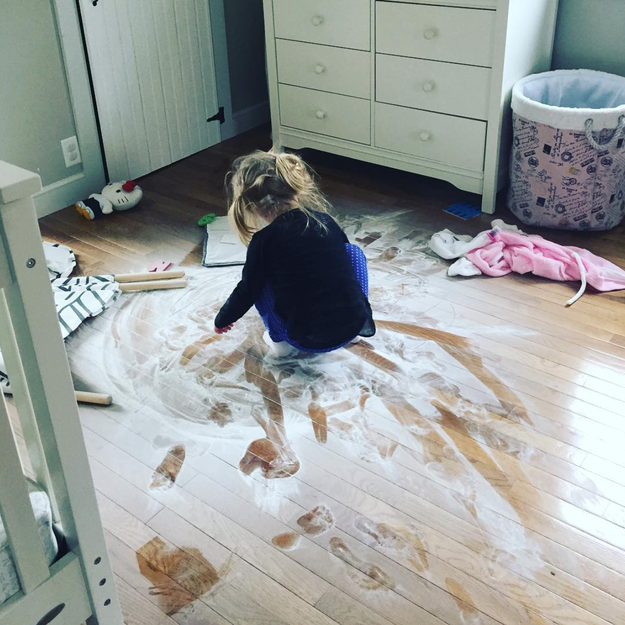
x=224, y=330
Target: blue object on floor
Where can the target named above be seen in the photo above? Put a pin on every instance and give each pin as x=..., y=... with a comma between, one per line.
x=464, y=210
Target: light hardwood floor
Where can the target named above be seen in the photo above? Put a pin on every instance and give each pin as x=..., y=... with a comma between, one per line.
x=511, y=514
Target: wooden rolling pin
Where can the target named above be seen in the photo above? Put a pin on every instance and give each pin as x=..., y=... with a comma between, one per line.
x=148, y=276
x=84, y=397
x=154, y=285
x=99, y=399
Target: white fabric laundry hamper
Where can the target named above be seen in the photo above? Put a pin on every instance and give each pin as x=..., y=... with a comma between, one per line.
x=568, y=158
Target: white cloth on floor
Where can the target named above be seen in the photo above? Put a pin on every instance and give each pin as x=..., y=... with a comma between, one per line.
x=463, y=267
x=59, y=259
x=449, y=245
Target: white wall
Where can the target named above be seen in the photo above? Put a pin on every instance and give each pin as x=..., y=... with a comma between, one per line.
x=35, y=109
x=590, y=35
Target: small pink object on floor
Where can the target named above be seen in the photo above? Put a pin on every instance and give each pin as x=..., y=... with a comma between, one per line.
x=160, y=265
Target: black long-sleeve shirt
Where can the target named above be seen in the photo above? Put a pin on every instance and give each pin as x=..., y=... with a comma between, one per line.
x=316, y=290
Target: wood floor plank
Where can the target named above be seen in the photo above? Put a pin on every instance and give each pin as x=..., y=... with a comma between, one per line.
x=524, y=317
x=136, y=609
x=167, y=595
x=605, y=468
x=563, y=545
x=194, y=599
x=389, y=541
x=567, y=397
x=517, y=588
x=578, y=314
x=230, y=534
x=113, y=485
x=570, y=514
x=344, y=575
x=538, y=391
x=559, y=292
x=347, y=611
x=523, y=431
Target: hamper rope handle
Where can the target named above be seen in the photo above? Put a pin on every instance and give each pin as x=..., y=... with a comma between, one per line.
x=608, y=144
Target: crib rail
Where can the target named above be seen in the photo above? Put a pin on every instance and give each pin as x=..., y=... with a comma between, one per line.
x=16, y=511
x=34, y=352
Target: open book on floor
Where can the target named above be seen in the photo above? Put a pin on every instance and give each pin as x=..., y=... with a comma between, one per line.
x=222, y=247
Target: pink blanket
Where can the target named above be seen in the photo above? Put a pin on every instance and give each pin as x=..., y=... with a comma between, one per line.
x=512, y=252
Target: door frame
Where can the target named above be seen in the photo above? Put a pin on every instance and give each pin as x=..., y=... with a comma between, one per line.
x=215, y=73
x=222, y=66
x=65, y=192
x=91, y=179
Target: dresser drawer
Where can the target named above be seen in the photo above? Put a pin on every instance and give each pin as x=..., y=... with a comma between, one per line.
x=326, y=113
x=433, y=86
x=342, y=23
x=347, y=72
x=431, y=136
x=436, y=33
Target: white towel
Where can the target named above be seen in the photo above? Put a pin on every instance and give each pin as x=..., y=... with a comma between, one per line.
x=59, y=259
x=449, y=245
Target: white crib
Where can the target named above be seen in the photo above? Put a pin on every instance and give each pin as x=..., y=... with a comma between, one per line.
x=78, y=586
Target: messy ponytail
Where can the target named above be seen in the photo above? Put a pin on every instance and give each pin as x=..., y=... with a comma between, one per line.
x=263, y=185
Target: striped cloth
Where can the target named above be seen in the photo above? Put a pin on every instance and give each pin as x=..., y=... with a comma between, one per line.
x=78, y=299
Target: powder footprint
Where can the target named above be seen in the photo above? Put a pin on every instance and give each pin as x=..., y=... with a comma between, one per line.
x=400, y=540
x=375, y=578
x=317, y=521
x=166, y=473
x=286, y=541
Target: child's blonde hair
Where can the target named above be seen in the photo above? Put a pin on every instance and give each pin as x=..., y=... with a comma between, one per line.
x=267, y=184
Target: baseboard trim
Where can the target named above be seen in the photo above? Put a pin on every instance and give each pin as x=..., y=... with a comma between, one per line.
x=58, y=195
x=250, y=117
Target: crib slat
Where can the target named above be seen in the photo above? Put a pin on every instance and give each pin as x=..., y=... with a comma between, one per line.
x=64, y=593
x=5, y=274
x=26, y=413
x=17, y=513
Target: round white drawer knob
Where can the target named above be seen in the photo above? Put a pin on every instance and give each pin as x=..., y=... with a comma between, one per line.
x=430, y=33
x=425, y=137
x=319, y=69
x=321, y=114
x=317, y=20
x=428, y=86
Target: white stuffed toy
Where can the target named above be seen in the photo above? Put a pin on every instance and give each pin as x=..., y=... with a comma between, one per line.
x=119, y=196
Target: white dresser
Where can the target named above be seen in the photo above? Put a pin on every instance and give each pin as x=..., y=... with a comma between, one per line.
x=422, y=86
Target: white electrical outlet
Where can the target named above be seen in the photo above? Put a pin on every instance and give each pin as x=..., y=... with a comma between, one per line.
x=71, y=151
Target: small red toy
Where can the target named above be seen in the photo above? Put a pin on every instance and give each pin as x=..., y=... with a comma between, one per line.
x=160, y=265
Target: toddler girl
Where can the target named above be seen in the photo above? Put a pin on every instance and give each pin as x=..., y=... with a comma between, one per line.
x=307, y=282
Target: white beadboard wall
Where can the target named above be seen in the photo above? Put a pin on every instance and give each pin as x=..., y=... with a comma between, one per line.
x=590, y=35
